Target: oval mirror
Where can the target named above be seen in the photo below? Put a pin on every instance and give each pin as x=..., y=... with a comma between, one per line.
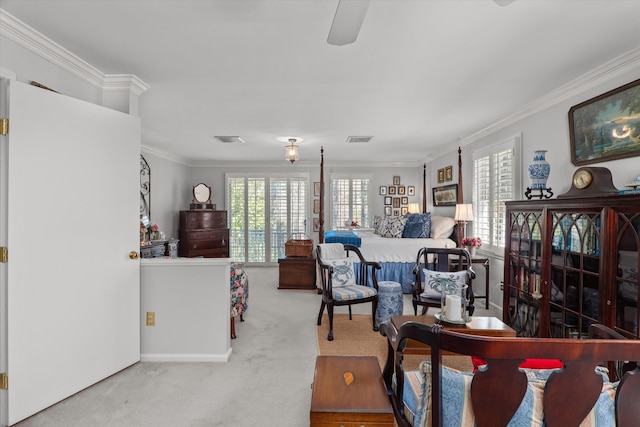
x=202, y=193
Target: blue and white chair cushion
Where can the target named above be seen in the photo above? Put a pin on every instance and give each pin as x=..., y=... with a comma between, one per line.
x=457, y=409
x=343, y=281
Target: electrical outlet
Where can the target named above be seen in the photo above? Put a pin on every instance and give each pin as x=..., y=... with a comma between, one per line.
x=151, y=318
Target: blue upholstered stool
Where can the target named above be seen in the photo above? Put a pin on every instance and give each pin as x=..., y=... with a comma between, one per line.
x=389, y=301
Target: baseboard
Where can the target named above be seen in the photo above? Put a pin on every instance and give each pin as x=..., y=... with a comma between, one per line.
x=186, y=357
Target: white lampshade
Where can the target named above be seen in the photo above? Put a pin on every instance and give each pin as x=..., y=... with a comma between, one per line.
x=464, y=212
x=414, y=208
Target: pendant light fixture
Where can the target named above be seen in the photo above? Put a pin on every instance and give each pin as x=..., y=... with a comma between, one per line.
x=291, y=150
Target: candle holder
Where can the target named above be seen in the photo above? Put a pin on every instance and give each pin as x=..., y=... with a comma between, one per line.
x=453, y=304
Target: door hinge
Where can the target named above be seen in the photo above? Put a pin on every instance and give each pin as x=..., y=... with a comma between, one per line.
x=4, y=126
x=4, y=254
x=4, y=381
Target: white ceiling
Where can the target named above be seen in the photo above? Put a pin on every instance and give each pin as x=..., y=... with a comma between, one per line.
x=422, y=75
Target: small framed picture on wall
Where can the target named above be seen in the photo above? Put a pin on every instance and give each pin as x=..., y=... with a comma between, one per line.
x=316, y=189
x=396, y=180
x=396, y=202
x=316, y=206
x=392, y=190
x=316, y=224
x=396, y=212
x=404, y=211
x=387, y=210
x=440, y=175
x=448, y=173
x=402, y=190
x=383, y=190
x=387, y=200
x=411, y=190
x=404, y=200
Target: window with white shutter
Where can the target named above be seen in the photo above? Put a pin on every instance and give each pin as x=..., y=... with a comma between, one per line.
x=349, y=200
x=263, y=212
x=496, y=179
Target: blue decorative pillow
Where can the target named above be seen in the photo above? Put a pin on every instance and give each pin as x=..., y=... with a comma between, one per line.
x=412, y=230
x=377, y=222
x=392, y=226
x=424, y=219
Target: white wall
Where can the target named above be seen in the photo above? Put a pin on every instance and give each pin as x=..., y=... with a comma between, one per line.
x=28, y=67
x=171, y=190
x=191, y=300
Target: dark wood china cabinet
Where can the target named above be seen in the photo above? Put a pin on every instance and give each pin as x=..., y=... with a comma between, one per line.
x=570, y=263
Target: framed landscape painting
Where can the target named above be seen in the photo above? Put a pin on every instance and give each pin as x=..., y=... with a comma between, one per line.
x=606, y=127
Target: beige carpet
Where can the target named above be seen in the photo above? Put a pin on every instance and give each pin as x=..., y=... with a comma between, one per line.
x=357, y=338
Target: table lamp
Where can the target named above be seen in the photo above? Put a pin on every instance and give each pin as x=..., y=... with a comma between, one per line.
x=414, y=208
x=464, y=214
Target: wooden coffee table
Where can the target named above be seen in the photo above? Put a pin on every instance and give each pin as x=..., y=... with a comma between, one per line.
x=363, y=402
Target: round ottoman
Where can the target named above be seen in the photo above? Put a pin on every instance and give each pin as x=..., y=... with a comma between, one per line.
x=389, y=301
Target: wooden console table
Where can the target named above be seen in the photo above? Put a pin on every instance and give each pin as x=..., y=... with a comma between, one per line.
x=297, y=272
x=453, y=265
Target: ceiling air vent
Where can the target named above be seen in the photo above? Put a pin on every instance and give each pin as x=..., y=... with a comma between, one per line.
x=229, y=139
x=358, y=139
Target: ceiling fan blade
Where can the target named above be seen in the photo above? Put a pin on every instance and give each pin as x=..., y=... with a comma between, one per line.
x=347, y=21
x=503, y=2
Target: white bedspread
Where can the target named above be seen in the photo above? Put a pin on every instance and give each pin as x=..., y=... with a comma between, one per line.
x=383, y=249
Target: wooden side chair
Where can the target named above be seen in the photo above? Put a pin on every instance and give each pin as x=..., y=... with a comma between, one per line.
x=341, y=285
x=430, y=260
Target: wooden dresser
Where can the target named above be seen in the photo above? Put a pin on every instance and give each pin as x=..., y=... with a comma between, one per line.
x=204, y=233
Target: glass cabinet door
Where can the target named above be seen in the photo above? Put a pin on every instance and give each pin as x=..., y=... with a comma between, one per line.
x=626, y=291
x=523, y=283
x=574, y=299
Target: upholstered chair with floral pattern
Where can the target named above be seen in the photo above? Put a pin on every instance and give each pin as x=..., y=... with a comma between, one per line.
x=239, y=295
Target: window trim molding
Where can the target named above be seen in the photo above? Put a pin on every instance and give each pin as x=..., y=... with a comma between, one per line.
x=268, y=176
x=350, y=176
x=514, y=143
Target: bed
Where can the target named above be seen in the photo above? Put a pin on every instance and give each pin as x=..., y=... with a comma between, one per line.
x=396, y=255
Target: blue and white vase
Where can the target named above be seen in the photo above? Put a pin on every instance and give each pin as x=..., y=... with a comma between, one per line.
x=539, y=170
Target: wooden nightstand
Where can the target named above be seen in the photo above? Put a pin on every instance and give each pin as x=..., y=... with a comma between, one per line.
x=484, y=261
x=297, y=272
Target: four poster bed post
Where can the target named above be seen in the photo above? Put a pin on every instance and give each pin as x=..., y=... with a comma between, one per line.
x=321, y=219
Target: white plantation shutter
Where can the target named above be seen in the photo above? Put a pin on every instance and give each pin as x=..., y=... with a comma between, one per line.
x=263, y=211
x=495, y=180
x=349, y=200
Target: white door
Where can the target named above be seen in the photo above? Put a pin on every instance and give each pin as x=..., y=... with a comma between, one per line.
x=73, y=293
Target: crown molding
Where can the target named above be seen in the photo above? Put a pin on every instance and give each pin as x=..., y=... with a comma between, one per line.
x=149, y=149
x=617, y=67
x=124, y=82
x=34, y=41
